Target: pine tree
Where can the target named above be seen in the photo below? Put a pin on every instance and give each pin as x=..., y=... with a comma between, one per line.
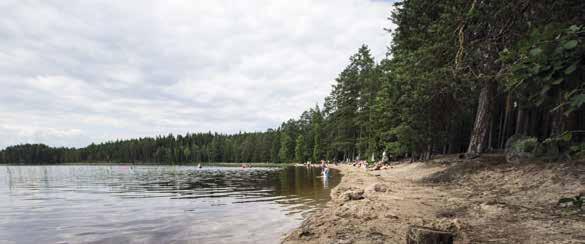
x=284, y=153
x=300, y=149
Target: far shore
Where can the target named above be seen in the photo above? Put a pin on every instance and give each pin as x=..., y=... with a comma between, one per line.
x=216, y=164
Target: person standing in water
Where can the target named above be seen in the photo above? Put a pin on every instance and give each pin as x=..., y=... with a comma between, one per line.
x=325, y=170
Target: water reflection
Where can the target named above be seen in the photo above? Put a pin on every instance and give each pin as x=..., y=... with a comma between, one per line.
x=154, y=204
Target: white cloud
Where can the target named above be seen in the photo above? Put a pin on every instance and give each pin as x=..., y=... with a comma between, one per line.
x=73, y=72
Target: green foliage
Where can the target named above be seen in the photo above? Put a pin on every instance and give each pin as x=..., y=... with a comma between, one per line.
x=350, y=107
x=562, y=139
x=275, y=149
x=316, y=156
x=285, y=148
x=528, y=144
x=406, y=140
x=547, y=67
x=578, y=150
x=34, y=154
x=189, y=148
x=300, y=149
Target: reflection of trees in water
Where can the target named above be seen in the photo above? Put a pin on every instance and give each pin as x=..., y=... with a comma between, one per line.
x=289, y=185
x=306, y=183
x=9, y=178
x=45, y=178
x=28, y=177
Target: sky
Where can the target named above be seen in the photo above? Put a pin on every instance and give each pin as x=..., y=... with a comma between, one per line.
x=77, y=72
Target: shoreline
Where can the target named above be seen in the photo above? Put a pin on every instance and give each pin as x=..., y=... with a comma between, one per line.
x=484, y=200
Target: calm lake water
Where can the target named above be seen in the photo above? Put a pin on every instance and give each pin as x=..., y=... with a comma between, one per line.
x=156, y=204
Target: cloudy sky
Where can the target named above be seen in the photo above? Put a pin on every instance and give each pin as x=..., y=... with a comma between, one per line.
x=76, y=72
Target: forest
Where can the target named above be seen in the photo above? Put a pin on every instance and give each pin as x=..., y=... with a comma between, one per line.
x=459, y=76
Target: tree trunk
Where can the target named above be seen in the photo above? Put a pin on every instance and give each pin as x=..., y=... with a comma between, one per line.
x=534, y=122
x=429, y=152
x=557, y=124
x=491, y=132
x=503, y=128
x=571, y=123
x=482, y=118
x=520, y=122
x=545, y=125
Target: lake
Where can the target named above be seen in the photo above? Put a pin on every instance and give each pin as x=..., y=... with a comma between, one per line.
x=156, y=204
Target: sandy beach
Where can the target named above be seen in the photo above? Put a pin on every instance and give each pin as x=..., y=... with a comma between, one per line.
x=484, y=200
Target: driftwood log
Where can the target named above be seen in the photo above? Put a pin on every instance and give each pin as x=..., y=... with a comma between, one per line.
x=424, y=235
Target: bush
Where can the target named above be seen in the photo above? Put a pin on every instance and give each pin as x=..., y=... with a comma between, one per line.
x=578, y=151
x=519, y=148
x=528, y=145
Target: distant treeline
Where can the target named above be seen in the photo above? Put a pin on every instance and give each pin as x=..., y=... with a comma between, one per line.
x=201, y=147
x=460, y=76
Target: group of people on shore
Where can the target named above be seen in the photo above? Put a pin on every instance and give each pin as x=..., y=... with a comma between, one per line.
x=357, y=163
x=360, y=164
x=383, y=163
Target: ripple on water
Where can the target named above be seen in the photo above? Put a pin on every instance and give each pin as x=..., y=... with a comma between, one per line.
x=155, y=204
